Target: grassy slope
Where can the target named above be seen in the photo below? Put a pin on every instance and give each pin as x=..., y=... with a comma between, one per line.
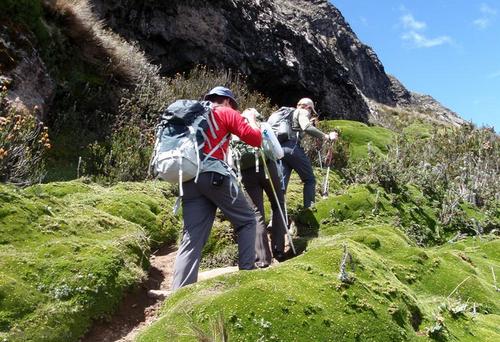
x=70, y=250
x=399, y=290
x=359, y=135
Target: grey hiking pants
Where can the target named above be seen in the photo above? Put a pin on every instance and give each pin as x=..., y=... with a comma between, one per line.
x=199, y=204
x=296, y=159
x=255, y=183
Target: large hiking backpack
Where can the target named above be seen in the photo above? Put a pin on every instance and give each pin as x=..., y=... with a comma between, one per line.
x=281, y=123
x=245, y=156
x=180, y=138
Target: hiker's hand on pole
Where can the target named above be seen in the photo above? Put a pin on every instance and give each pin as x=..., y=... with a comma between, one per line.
x=332, y=136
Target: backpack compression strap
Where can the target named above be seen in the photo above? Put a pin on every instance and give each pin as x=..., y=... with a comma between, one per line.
x=217, y=147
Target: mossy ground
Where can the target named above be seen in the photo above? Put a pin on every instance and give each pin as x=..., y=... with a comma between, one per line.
x=359, y=135
x=70, y=250
x=397, y=290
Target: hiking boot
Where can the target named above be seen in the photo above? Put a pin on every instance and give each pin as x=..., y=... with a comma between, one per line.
x=279, y=256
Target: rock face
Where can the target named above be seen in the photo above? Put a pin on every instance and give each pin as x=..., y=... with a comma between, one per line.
x=23, y=71
x=287, y=48
x=427, y=104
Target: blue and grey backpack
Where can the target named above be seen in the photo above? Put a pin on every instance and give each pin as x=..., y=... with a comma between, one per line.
x=180, y=139
x=282, y=124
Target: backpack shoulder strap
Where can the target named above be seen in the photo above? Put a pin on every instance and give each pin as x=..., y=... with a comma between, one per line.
x=223, y=140
x=294, y=119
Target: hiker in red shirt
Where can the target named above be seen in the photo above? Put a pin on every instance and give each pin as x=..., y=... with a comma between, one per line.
x=217, y=187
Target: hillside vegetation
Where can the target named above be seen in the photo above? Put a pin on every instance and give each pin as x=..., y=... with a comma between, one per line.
x=404, y=247
x=359, y=279
x=70, y=250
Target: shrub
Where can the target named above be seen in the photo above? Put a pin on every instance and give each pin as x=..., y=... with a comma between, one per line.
x=126, y=155
x=27, y=12
x=452, y=166
x=334, y=154
x=23, y=142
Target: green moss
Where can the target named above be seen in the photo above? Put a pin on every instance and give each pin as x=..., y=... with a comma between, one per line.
x=418, y=130
x=359, y=135
x=58, y=189
x=69, y=251
x=396, y=289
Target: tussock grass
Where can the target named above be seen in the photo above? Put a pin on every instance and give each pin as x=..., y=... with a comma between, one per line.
x=100, y=45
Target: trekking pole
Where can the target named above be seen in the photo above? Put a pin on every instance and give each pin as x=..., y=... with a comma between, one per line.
x=319, y=158
x=328, y=161
x=277, y=202
x=318, y=147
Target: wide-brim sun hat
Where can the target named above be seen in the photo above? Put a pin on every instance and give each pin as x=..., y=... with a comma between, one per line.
x=307, y=102
x=222, y=91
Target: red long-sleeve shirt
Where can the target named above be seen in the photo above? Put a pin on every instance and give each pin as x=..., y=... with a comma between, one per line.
x=231, y=121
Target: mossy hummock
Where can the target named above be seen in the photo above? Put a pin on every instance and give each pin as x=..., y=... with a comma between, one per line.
x=70, y=250
x=392, y=289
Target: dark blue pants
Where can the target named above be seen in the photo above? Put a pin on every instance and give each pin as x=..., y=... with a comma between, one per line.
x=296, y=159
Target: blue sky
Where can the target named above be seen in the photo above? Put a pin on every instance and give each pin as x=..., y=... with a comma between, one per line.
x=447, y=49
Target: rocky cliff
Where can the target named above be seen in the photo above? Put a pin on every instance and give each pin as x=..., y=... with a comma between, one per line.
x=287, y=49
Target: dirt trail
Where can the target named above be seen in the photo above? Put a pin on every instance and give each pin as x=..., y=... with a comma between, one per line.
x=140, y=308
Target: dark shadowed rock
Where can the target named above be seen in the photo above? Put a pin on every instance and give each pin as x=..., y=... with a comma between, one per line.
x=288, y=49
x=23, y=71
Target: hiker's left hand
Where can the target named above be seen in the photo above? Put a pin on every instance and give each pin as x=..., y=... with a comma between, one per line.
x=250, y=114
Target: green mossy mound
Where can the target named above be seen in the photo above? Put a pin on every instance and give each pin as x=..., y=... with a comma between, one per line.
x=359, y=135
x=70, y=250
x=396, y=292
x=393, y=290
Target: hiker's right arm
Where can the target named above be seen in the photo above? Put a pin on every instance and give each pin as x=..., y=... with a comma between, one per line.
x=306, y=125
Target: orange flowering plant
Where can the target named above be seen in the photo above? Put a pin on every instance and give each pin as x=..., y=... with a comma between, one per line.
x=23, y=142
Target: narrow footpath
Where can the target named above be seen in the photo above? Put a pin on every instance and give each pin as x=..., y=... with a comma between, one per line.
x=140, y=308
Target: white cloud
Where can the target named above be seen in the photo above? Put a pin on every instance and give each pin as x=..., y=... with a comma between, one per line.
x=482, y=23
x=413, y=33
x=494, y=74
x=486, y=18
x=422, y=41
x=410, y=23
x=486, y=9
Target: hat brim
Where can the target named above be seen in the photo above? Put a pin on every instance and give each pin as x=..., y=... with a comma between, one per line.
x=209, y=97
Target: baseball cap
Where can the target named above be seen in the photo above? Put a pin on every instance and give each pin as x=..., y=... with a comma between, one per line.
x=307, y=102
